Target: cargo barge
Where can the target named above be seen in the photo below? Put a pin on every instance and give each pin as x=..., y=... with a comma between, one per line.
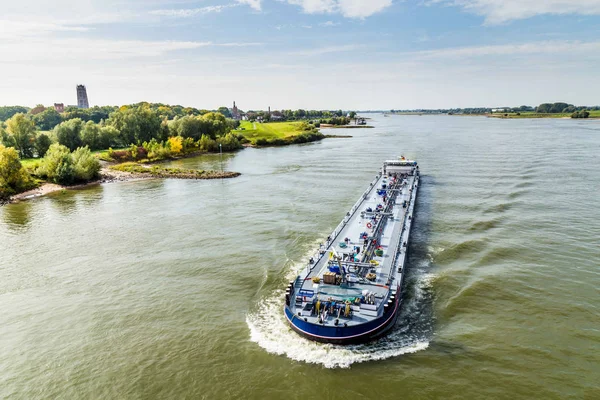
x=350, y=290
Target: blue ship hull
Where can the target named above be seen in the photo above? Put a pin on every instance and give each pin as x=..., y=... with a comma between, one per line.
x=340, y=334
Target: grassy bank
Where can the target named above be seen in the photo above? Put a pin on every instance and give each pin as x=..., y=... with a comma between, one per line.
x=278, y=133
x=163, y=172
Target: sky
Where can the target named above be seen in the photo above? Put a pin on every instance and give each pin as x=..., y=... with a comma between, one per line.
x=312, y=54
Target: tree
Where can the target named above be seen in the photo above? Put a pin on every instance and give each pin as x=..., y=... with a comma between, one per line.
x=213, y=124
x=7, y=112
x=353, y=114
x=136, y=124
x=187, y=127
x=225, y=111
x=37, y=109
x=544, y=108
x=110, y=136
x=6, y=139
x=559, y=107
x=13, y=177
x=42, y=144
x=548, y=108
x=47, y=119
x=69, y=133
x=91, y=136
x=23, y=133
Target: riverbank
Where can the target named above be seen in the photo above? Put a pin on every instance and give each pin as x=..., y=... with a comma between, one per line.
x=106, y=176
x=157, y=171
x=123, y=173
x=593, y=115
x=345, y=126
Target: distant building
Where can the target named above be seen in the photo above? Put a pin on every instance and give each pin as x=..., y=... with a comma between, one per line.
x=59, y=107
x=277, y=116
x=82, y=99
x=235, y=113
x=498, y=110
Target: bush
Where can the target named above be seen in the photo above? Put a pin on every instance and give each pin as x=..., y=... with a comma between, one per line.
x=175, y=144
x=65, y=173
x=157, y=150
x=580, y=114
x=335, y=121
x=13, y=177
x=207, y=144
x=85, y=165
x=229, y=142
x=307, y=137
x=62, y=167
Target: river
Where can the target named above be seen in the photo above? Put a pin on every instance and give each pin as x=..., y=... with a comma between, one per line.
x=174, y=288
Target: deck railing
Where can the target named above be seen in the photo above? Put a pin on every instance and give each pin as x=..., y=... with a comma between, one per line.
x=318, y=256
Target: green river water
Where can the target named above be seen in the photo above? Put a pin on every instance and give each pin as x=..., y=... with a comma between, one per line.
x=173, y=289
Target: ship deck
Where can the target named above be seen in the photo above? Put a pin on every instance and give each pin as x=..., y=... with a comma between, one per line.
x=353, y=225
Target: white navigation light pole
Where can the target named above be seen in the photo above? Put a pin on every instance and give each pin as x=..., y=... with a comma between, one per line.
x=221, y=155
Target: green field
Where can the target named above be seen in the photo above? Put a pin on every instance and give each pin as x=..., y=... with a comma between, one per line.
x=270, y=130
x=30, y=163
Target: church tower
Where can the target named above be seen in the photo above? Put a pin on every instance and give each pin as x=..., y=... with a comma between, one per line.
x=235, y=113
x=82, y=99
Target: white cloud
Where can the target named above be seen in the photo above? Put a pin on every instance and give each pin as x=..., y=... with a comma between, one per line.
x=501, y=11
x=347, y=8
x=14, y=29
x=255, y=4
x=329, y=23
x=532, y=48
x=326, y=50
x=190, y=12
x=83, y=50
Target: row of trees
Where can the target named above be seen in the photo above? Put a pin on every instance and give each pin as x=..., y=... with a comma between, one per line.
x=556, y=108
x=125, y=126
x=46, y=118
